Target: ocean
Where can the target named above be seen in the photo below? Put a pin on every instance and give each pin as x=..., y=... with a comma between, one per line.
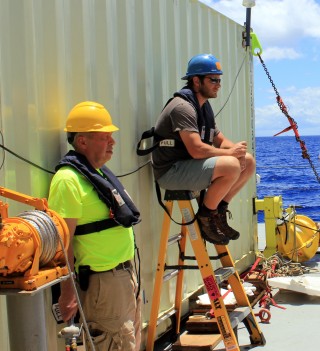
x=284, y=172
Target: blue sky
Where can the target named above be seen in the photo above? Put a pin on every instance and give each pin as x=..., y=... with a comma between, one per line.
x=289, y=33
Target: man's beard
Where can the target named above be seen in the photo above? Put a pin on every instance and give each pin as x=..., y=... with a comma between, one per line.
x=206, y=93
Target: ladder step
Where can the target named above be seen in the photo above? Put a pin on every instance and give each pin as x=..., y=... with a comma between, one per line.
x=201, y=324
x=196, y=342
x=171, y=195
x=165, y=316
x=171, y=274
x=238, y=315
x=223, y=273
x=168, y=348
x=175, y=238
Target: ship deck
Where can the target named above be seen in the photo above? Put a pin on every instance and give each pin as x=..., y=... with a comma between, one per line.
x=294, y=328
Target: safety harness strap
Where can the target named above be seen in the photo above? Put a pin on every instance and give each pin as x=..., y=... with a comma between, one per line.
x=158, y=141
x=158, y=192
x=146, y=135
x=95, y=227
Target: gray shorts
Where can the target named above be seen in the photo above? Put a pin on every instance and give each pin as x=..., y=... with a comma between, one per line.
x=193, y=175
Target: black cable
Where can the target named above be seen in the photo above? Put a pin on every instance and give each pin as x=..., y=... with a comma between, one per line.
x=4, y=154
x=121, y=175
x=51, y=172
x=234, y=83
x=285, y=221
x=137, y=269
x=25, y=160
x=136, y=170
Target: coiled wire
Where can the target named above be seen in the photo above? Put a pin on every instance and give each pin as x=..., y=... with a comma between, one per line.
x=48, y=234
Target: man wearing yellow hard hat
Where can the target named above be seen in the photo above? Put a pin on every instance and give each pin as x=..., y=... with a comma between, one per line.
x=100, y=215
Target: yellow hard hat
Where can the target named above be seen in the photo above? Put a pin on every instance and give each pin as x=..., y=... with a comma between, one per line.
x=89, y=116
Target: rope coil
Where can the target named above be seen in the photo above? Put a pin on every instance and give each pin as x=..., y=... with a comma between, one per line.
x=277, y=266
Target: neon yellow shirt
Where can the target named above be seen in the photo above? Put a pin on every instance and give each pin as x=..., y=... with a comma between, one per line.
x=72, y=196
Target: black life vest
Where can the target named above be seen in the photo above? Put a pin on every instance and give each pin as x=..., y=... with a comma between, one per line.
x=205, y=121
x=205, y=115
x=109, y=189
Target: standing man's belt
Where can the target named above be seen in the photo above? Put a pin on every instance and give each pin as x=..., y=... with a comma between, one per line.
x=122, y=265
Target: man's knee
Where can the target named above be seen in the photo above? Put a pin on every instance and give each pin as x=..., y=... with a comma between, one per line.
x=227, y=161
x=227, y=166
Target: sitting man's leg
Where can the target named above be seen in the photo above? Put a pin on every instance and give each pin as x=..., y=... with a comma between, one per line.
x=229, y=176
x=223, y=177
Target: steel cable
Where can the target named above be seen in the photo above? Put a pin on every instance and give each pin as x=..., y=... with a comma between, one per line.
x=48, y=234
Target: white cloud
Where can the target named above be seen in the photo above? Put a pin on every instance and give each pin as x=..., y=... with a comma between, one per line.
x=268, y=120
x=287, y=30
x=277, y=23
x=302, y=102
x=301, y=106
x=279, y=53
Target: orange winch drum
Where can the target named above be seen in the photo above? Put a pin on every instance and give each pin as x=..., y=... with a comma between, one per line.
x=32, y=236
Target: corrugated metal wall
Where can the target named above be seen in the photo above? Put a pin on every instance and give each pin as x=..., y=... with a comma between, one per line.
x=128, y=55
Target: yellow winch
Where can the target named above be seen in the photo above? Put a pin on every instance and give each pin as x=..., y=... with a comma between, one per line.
x=32, y=244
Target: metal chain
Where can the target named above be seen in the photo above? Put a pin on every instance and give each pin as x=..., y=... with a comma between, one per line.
x=293, y=123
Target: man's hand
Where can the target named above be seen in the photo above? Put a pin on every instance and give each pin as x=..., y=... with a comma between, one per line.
x=239, y=150
x=67, y=302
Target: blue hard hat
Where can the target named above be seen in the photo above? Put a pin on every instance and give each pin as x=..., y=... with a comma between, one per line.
x=201, y=65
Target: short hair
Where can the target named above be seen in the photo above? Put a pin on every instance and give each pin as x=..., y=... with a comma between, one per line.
x=190, y=81
x=70, y=137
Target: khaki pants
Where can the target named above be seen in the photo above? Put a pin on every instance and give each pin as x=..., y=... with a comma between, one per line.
x=112, y=312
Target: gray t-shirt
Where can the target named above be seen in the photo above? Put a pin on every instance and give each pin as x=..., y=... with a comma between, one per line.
x=178, y=115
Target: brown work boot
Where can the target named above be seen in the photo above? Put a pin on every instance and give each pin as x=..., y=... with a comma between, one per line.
x=212, y=228
x=230, y=233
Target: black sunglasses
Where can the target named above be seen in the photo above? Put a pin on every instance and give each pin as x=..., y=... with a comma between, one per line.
x=214, y=80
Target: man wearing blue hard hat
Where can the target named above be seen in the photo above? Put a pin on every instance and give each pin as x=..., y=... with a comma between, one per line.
x=196, y=154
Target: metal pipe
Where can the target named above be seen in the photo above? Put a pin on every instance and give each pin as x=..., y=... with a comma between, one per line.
x=27, y=324
x=248, y=4
x=248, y=26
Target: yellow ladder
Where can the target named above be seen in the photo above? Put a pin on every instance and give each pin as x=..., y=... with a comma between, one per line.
x=227, y=322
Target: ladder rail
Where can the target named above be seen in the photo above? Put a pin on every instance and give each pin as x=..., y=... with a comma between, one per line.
x=152, y=325
x=241, y=297
x=161, y=277
x=208, y=276
x=226, y=322
x=179, y=282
